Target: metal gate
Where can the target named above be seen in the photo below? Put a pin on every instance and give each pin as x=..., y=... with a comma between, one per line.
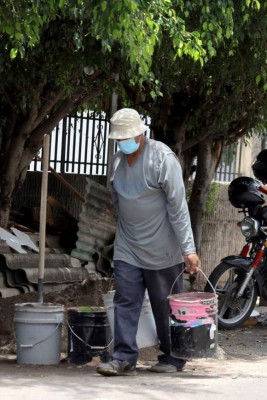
x=79, y=145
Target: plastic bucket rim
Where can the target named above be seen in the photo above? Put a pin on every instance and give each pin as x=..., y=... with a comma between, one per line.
x=185, y=297
x=93, y=310
x=35, y=303
x=32, y=311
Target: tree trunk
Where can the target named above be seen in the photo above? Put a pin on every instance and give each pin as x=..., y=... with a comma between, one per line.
x=25, y=141
x=209, y=154
x=8, y=176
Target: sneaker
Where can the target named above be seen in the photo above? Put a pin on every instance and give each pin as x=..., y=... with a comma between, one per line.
x=116, y=368
x=163, y=367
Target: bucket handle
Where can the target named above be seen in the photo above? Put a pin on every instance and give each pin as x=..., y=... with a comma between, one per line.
x=39, y=341
x=88, y=345
x=205, y=276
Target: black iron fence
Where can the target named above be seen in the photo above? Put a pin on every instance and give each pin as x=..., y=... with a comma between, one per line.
x=79, y=145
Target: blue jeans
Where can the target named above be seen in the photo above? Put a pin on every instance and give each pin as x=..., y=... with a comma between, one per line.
x=130, y=284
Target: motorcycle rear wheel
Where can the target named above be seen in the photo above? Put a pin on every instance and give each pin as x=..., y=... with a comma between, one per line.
x=226, y=280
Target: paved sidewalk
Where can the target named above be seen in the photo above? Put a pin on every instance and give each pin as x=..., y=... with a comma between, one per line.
x=239, y=372
x=216, y=379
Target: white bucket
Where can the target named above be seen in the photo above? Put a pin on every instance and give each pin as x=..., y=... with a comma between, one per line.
x=146, y=332
x=38, y=329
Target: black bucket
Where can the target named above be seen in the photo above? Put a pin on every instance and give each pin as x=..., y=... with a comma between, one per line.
x=193, y=325
x=89, y=334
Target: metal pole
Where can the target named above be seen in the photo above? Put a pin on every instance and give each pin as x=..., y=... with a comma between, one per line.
x=42, y=228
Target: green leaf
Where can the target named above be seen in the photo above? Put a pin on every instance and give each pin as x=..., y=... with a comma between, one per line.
x=18, y=36
x=211, y=26
x=103, y=6
x=116, y=34
x=258, y=79
x=150, y=23
x=228, y=33
x=18, y=27
x=256, y=4
x=13, y=53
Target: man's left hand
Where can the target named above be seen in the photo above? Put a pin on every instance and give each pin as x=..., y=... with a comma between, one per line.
x=192, y=263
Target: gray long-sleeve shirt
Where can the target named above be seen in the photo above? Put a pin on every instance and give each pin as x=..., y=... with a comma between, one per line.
x=153, y=227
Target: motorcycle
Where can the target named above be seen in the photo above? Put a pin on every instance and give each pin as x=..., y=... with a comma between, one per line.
x=239, y=279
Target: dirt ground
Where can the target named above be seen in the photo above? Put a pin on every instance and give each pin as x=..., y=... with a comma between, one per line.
x=88, y=293
x=238, y=369
x=246, y=342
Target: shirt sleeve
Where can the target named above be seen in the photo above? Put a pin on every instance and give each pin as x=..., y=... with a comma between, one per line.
x=171, y=181
x=111, y=173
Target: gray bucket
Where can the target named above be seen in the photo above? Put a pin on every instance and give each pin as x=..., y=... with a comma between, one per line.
x=146, y=333
x=38, y=329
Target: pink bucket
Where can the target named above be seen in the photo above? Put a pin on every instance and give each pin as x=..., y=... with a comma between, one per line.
x=193, y=324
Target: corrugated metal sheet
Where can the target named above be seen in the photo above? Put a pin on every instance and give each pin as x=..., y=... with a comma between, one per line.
x=19, y=273
x=97, y=223
x=51, y=275
x=8, y=292
x=31, y=260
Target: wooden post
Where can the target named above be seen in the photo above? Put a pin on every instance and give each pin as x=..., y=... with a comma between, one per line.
x=42, y=228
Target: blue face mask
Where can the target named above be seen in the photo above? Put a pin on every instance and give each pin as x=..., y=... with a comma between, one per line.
x=128, y=146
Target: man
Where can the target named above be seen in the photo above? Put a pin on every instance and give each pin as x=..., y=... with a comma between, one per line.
x=153, y=240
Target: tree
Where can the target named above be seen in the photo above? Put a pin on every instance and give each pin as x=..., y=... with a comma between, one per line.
x=45, y=46
x=205, y=107
x=173, y=53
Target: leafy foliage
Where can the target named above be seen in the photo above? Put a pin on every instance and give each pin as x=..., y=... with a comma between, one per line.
x=45, y=45
x=212, y=198
x=226, y=97
x=197, y=67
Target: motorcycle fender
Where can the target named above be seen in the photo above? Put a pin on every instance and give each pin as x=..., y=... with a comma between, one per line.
x=245, y=262
x=237, y=260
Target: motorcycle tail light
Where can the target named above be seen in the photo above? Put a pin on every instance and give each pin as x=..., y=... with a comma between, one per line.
x=249, y=227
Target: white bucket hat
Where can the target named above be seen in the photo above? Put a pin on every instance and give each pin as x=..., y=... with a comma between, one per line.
x=125, y=124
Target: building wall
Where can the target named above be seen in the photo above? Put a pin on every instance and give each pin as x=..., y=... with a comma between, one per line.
x=221, y=236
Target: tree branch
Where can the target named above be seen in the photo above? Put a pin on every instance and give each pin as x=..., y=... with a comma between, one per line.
x=47, y=106
x=71, y=103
